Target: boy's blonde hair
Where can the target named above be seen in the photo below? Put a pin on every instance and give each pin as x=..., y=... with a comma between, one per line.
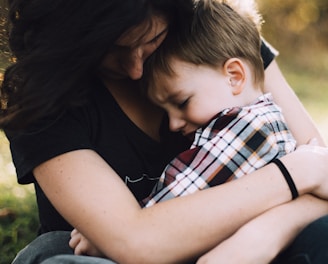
x=246, y=8
x=214, y=33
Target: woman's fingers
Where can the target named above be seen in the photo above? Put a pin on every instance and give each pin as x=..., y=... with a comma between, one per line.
x=75, y=240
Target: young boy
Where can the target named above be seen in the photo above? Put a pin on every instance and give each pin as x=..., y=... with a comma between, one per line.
x=209, y=79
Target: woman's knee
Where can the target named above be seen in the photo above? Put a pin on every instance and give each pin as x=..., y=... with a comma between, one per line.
x=43, y=247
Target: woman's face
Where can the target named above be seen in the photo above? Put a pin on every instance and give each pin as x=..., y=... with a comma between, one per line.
x=133, y=48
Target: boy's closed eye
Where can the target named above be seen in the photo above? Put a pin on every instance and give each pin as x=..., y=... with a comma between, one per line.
x=183, y=104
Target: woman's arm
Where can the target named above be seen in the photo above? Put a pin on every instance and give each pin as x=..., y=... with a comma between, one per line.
x=298, y=119
x=269, y=233
x=89, y=194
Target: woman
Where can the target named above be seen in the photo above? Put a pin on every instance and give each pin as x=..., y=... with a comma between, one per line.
x=81, y=130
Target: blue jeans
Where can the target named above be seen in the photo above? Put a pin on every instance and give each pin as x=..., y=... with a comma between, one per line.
x=51, y=248
x=309, y=247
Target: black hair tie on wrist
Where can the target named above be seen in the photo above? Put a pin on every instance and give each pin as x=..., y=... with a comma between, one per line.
x=287, y=177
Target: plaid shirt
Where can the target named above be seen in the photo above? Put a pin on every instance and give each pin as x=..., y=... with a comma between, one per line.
x=238, y=141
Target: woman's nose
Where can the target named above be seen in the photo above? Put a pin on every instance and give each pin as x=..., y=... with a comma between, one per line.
x=134, y=64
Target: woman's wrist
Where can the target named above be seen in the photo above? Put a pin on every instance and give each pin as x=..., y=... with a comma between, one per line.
x=308, y=167
x=297, y=166
x=288, y=178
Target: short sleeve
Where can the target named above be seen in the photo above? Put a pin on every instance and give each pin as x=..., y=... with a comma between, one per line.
x=268, y=53
x=47, y=139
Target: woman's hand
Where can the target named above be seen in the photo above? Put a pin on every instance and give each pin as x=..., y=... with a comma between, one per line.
x=82, y=246
x=308, y=166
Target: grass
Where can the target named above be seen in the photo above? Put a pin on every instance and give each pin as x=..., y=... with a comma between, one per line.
x=18, y=213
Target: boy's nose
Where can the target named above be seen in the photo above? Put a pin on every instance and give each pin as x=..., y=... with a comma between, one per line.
x=176, y=124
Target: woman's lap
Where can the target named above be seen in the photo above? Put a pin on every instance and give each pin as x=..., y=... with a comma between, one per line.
x=51, y=248
x=43, y=247
x=73, y=259
x=310, y=247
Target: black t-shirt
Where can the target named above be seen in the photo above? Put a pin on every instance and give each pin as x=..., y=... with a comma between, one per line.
x=102, y=126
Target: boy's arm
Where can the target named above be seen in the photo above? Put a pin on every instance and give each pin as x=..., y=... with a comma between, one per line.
x=263, y=238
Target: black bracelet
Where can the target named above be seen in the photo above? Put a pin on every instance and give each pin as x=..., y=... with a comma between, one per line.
x=288, y=178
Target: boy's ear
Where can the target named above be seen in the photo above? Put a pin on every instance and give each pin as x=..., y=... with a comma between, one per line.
x=235, y=70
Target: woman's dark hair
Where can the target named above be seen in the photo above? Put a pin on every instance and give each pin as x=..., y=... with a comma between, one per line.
x=58, y=47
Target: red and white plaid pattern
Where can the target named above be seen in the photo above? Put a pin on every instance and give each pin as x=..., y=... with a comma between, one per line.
x=238, y=141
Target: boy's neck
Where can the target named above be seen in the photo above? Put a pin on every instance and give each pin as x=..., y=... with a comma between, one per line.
x=248, y=95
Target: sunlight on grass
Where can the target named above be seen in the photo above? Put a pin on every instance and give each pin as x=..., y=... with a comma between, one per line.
x=18, y=212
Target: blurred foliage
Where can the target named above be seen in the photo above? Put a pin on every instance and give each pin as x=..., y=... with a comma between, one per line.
x=299, y=28
x=4, y=49
x=293, y=20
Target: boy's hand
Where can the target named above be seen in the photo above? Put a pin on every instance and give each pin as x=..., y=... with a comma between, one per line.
x=82, y=246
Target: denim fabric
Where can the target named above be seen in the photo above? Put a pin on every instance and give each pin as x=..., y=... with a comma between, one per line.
x=51, y=248
x=71, y=259
x=45, y=246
